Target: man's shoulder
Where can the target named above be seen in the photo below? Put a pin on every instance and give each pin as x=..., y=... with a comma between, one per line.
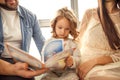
x=25, y=11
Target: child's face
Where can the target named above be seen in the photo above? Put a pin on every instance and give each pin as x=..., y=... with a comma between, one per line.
x=62, y=28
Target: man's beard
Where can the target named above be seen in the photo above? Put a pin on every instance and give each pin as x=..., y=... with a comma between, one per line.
x=6, y=7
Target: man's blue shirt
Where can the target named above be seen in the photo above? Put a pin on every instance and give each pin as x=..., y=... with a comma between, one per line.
x=29, y=28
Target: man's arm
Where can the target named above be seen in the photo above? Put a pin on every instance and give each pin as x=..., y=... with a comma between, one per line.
x=18, y=69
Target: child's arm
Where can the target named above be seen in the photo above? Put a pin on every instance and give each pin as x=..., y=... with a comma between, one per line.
x=69, y=61
x=76, y=58
x=73, y=60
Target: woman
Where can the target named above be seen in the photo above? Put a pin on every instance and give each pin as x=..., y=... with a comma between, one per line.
x=100, y=42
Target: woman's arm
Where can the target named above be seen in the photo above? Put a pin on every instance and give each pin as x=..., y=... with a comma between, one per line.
x=85, y=67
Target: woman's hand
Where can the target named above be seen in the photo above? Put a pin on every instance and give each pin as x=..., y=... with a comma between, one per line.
x=85, y=67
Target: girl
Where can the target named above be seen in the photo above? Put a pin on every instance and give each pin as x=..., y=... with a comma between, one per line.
x=63, y=25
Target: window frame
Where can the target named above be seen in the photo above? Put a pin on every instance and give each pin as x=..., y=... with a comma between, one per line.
x=74, y=6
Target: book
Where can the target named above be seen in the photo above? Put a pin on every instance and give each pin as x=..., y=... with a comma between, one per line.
x=22, y=56
x=55, y=61
x=55, y=55
x=52, y=47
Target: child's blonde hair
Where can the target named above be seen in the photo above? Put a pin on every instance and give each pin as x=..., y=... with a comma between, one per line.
x=70, y=16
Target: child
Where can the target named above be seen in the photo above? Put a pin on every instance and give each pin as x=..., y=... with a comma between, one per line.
x=63, y=25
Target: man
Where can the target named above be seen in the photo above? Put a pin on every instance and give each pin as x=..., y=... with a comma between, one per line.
x=17, y=26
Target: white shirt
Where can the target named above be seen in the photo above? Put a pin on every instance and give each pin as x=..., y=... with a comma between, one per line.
x=11, y=29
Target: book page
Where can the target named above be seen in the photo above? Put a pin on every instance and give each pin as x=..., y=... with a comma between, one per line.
x=22, y=56
x=53, y=47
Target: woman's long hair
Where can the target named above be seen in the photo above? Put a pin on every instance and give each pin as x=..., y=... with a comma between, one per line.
x=108, y=26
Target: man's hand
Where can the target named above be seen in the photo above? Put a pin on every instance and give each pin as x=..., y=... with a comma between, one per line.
x=21, y=69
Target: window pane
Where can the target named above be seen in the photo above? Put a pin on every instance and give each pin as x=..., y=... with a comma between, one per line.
x=44, y=9
x=85, y=4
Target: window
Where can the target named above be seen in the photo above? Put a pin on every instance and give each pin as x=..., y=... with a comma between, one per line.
x=44, y=10
x=84, y=5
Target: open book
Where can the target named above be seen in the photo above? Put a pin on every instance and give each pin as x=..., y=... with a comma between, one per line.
x=54, y=62
x=54, y=54
x=52, y=47
x=22, y=56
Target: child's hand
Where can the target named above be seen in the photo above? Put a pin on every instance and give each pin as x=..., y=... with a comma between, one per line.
x=69, y=61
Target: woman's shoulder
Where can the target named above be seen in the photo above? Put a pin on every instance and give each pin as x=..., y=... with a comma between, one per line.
x=92, y=12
